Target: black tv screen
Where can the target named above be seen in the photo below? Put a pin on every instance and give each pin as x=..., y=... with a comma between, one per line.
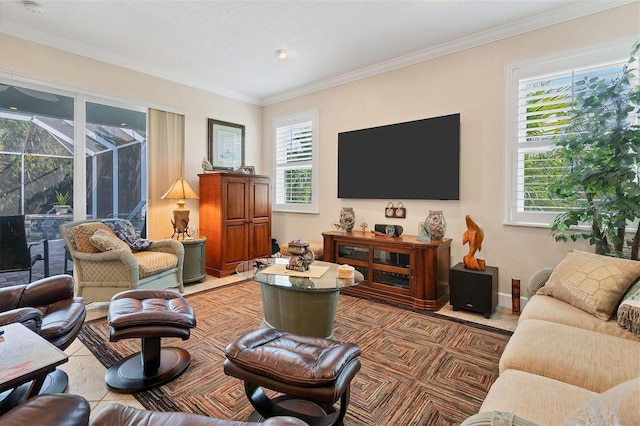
x=417, y=160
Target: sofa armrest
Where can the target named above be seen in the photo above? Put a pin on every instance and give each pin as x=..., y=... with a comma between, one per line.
x=29, y=317
x=537, y=280
x=10, y=296
x=118, y=414
x=496, y=418
x=168, y=245
x=49, y=409
x=47, y=291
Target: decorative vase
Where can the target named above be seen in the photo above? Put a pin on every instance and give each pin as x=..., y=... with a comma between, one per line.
x=347, y=218
x=435, y=225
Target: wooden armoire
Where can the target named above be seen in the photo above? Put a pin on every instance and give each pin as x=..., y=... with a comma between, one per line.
x=235, y=216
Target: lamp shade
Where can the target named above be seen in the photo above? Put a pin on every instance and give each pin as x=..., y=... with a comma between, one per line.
x=180, y=190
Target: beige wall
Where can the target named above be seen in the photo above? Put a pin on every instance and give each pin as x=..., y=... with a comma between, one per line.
x=22, y=59
x=471, y=82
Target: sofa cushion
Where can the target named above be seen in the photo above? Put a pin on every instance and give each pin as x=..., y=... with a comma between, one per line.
x=618, y=405
x=593, y=361
x=153, y=262
x=629, y=310
x=107, y=240
x=592, y=282
x=536, y=398
x=82, y=234
x=550, y=309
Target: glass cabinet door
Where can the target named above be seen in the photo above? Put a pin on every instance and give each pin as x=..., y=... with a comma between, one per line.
x=392, y=268
x=358, y=257
x=353, y=252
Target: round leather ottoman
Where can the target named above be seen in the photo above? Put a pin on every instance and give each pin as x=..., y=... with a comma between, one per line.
x=149, y=315
x=313, y=373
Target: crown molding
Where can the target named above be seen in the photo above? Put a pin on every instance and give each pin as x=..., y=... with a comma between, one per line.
x=77, y=48
x=569, y=12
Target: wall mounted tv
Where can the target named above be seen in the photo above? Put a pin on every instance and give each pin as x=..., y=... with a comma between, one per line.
x=417, y=160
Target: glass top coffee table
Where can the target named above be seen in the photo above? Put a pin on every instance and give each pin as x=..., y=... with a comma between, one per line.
x=299, y=302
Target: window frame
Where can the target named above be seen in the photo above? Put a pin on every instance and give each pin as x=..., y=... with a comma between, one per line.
x=314, y=206
x=591, y=57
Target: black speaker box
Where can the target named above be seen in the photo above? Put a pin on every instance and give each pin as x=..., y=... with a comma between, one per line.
x=383, y=228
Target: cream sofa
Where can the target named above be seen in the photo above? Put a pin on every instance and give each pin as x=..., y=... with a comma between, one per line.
x=564, y=364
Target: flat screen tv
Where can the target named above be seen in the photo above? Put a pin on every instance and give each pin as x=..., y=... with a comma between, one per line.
x=417, y=160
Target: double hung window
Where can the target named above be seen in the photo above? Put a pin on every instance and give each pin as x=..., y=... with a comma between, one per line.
x=295, y=140
x=540, y=95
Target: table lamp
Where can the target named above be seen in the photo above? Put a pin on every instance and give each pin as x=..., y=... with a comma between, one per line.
x=180, y=190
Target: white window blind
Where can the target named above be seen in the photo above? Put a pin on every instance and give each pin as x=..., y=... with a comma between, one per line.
x=540, y=95
x=295, y=158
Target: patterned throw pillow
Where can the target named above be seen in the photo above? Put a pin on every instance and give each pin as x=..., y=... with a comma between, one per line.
x=106, y=240
x=82, y=232
x=629, y=309
x=592, y=282
x=617, y=406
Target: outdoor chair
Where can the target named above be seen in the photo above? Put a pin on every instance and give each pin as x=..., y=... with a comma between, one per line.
x=15, y=250
x=105, y=265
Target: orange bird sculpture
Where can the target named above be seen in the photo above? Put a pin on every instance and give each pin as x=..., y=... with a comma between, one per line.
x=474, y=236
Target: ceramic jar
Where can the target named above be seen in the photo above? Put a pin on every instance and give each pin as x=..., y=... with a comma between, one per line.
x=435, y=225
x=347, y=218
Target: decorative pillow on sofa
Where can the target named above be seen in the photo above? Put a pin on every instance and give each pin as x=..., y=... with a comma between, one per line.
x=126, y=232
x=106, y=240
x=629, y=309
x=592, y=282
x=82, y=232
x=617, y=406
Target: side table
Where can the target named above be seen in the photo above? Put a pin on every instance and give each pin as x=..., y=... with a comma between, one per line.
x=474, y=290
x=193, y=267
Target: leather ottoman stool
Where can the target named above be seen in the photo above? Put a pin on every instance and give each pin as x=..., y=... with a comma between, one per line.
x=313, y=373
x=149, y=315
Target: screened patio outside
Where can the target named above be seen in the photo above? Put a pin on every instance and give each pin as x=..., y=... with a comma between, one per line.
x=37, y=160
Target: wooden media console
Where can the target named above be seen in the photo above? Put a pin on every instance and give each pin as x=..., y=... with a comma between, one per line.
x=397, y=270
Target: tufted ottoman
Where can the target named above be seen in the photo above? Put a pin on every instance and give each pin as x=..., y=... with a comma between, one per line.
x=149, y=315
x=313, y=373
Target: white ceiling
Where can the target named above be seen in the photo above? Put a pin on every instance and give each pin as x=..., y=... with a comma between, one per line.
x=227, y=47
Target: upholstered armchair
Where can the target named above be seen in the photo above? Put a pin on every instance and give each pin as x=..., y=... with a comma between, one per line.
x=47, y=307
x=105, y=264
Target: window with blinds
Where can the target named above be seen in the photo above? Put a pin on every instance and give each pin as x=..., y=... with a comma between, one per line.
x=540, y=95
x=295, y=163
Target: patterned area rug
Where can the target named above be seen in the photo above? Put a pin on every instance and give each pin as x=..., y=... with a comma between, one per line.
x=417, y=368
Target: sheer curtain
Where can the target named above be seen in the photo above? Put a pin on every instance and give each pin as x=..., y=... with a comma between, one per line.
x=166, y=160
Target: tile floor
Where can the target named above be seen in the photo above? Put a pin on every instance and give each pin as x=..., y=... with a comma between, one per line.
x=86, y=373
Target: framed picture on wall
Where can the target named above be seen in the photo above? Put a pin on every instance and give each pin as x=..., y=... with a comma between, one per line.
x=226, y=144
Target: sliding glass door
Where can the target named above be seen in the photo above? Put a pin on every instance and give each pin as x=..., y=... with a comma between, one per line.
x=38, y=144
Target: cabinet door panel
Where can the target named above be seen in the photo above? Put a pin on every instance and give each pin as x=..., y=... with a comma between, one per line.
x=261, y=200
x=236, y=249
x=260, y=240
x=236, y=200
